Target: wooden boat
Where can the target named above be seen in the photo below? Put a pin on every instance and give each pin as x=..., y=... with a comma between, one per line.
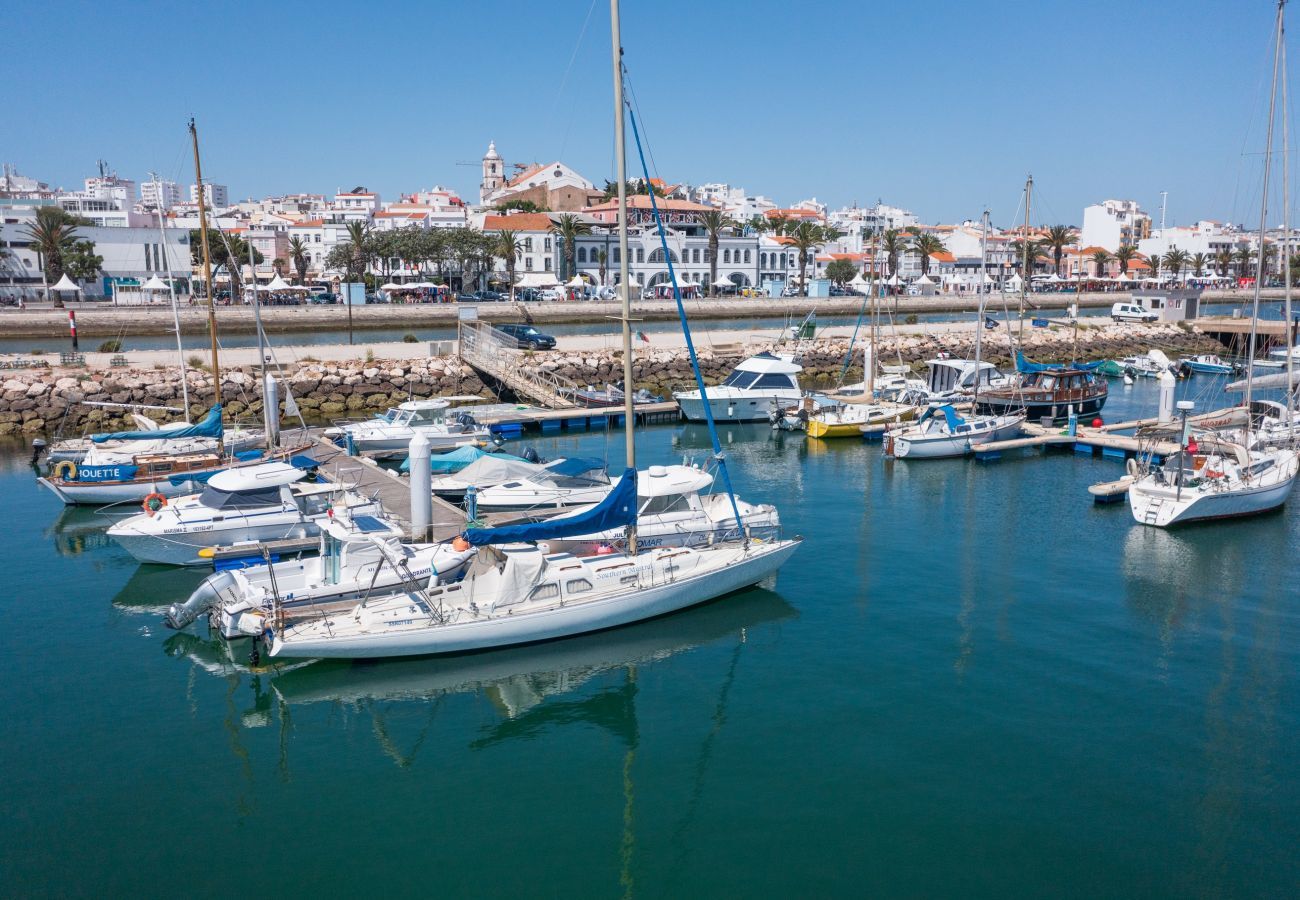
x=1051, y=393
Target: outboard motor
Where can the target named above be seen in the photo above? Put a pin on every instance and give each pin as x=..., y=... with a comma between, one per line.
x=531, y=455
x=214, y=589
x=38, y=447
x=466, y=422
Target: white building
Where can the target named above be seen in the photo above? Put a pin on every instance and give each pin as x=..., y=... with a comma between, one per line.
x=217, y=196
x=1206, y=236
x=1112, y=224
x=159, y=194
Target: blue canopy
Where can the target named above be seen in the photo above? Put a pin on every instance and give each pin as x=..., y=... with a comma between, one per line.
x=948, y=413
x=1024, y=365
x=458, y=459
x=617, y=510
x=575, y=465
x=210, y=427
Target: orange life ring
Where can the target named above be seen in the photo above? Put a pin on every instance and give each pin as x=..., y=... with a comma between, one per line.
x=153, y=502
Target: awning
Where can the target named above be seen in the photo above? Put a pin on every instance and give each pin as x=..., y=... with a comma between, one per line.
x=154, y=284
x=65, y=284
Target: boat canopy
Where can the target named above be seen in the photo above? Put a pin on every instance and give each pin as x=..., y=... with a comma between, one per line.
x=665, y=481
x=257, y=477
x=766, y=362
x=573, y=466
x=617, y=510
x=492, y=468
x=1024, y=365
x=460, y=458
x=210, y=427
x=949, y=414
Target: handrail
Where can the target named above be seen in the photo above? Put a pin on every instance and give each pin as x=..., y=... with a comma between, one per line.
x=481, y=348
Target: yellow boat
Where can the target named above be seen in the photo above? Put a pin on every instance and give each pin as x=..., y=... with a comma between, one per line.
x=847, y=420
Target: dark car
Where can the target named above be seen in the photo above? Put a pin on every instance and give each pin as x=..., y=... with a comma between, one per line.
x=527, y=337
x=479, y=297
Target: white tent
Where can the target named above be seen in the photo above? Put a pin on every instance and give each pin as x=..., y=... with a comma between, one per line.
x=859, y=281
x=1013, y=283
x=575, y=282
x=724, y=283
x=394, y=286
x=65, y=284
x=1123, y=276
x=154, y=284
x=892, y=280
x=634, y=284
x=279, y=284
x=536, y=280
x=1054, y=278
x=924, y=279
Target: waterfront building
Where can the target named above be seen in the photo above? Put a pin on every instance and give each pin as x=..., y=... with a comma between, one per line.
x=19, y=187
x=215, y=196
x=1112, y=224
x=1206, y=236
x=159, y=195
x=131, y=255
x=537, y=244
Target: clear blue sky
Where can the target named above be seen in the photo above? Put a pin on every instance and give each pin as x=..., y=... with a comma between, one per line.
x=941, y=107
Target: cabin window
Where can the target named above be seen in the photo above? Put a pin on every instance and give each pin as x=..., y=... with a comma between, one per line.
x=773, y=382
x=668, y=503
x=739, y=379
x=577, y=586
x=545, y=592
x=215, y=499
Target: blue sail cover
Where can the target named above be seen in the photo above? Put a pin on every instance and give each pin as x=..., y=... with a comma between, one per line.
x=447, y=463
x=210, y=427
x=1024, y=365
x=949, y=414
x=617, y=510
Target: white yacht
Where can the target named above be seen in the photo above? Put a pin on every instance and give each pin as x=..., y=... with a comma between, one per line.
x=264, y=502
x=566, y=482
x=392, y=431
x=940, y=432
x=674, y=511
x=954, y=380
x=749, y=393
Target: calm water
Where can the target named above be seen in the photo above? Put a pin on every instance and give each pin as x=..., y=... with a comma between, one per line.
x=970, y=681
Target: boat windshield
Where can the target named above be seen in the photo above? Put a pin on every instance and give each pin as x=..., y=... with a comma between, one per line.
x=215, y=499
x=739, y=379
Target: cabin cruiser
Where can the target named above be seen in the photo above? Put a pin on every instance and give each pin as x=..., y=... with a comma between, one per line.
x=1049, y=393
x=954, y=380
x=940, y=432
x=672, y=511
x=566, y=482
x=749, y=393
x=611, y=395
x=848, y=419
x=270, y=501
x=360, y=555
x=392, y=431
x=1209, y=364
x=1210, y=478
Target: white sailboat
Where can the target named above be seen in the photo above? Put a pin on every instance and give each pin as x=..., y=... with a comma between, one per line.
x=515, y=592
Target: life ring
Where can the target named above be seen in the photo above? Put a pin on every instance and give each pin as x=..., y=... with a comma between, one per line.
x=1132, y=467
x=65, y=470
x=153, y=502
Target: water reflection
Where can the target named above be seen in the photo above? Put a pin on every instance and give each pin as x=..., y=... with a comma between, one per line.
x=151, y=589
x=79, y=529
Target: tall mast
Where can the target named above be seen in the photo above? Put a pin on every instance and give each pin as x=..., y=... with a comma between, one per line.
x=1263, y=218
x=1024, y=266
x=1286, y=228
x=269, y=416
x=979, y=316
x=207, y=265
x=171, y=289
x=620, y=151
x=875, y=319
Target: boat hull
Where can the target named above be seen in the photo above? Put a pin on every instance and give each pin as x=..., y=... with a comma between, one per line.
x=733, y=409
x=183, y=549
x=106, y=493
x=1161, y=508
x=1036, y=411
x=549, y=624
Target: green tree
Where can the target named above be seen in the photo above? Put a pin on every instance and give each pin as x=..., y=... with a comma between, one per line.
x=568, y=228
x=806, y=236
x=634, y=186
x=1199, y=262
x=52, y=234
x=841, y=271
x=1223, y=261
x=923, y=245
x=1125, y=255
x=779, y=225
x=604, y=260
x=227, y=251
x=359, y=248
x=1027, y=250
x=714, y=222
x=1153, y=260
x=1058, y=238
x=1101, y=258
x=300, y=256
x=527, y=206
x=1175, y=261
x=893, y=243
x=81, y=262
x=1245, y=259
x=507, y=245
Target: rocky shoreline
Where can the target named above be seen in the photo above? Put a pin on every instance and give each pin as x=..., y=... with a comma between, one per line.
x=51, y=400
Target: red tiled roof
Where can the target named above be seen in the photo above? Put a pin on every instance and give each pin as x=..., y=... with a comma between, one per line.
x=525, y=175
x=943, y=256
x=518, y=222
x=642, y=201
x=309, y=223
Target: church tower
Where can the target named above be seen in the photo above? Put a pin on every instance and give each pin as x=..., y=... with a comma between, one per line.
x=493, y=177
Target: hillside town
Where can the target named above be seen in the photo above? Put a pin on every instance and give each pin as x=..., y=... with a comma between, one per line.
x=546, y=231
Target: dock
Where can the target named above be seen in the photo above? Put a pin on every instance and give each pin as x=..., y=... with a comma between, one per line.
x=1085, y=439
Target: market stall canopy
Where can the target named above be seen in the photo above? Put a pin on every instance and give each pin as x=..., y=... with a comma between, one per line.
x=394, y=286
x=859, y=281
x=279, y=284
x=536, y=280
x=65, y=284
x=724, y=282
x=576, y=282
x=892, y=280
x=154, y=284
x=924, y=279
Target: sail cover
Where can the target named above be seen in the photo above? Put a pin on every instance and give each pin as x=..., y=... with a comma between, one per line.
x=617, y=510
x=1024, y=365
x=210, y=427
x=458, y=459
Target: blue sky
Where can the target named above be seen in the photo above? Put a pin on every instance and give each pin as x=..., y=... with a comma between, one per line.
x=942, y=107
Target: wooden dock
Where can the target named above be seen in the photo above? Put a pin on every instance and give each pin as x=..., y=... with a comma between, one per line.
x=514, y=422
x=1085, y=440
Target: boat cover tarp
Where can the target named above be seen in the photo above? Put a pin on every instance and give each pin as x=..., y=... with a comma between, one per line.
x=458, y=459
x=210, y=427
x=491, y=469
x=1024, y=365
x=575, y=465
x=617, y=510
x=948, y=413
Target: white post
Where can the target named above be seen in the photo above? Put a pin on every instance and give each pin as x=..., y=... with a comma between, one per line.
x=1167, y=385
x=271, y=411
x=421, y=488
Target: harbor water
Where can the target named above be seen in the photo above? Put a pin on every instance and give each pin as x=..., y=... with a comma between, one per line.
x=969, y=681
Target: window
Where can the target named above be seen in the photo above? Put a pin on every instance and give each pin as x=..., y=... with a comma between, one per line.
x=666, y=504
x=582, y=254
x=697, y=255
x=762, y=260
x=746, y=256
x=772, y=382
x=577, y=586
x=528, y=244
x=546, y=244
x=708, y=257
x=640, y=254
x=548, y=264
x=726, y=255
x=618, y=255
x=739, y=379
x=528, y=264
x=545, y=592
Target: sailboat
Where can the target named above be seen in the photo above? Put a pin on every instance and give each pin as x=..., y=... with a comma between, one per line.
x=516, y=592
x=1214, y=476
x=941, y=432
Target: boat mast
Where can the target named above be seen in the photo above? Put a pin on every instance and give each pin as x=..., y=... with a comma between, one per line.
x=620, y=150
x=1286, y=234
x=269, y=416
x=979, y=315
x=1024, y=266
x=875, y=320
x=1263, y=218
x=171, y=289
x=207, y=264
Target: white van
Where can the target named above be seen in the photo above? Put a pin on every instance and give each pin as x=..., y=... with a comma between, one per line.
x=1132, y=312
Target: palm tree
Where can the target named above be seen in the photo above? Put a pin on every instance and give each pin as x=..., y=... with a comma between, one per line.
x=1125, y=255
x=1176, y=260
x=1058, y=238
x=714, y=222
x=603, y=258
x=779, y=225
x=300, y=256
x=806, y=236
x=1153, y=260
x=508, y=246
x=358, y=249
x=52, y=234
x=923, y=245
x=1222, y=260
x=1101, y=258
x=1245, y=258
x=1199, y=262
x=1027, y=251
x=567, y=228
x=893, y=243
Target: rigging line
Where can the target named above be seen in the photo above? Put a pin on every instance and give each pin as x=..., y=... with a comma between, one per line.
x=564, y=80
x=686, y=332
x=636, y=105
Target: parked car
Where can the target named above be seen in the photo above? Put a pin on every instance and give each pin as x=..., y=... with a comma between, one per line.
x=527, y=294
x=1132, y=312
x=528, y=337
x=480, y=297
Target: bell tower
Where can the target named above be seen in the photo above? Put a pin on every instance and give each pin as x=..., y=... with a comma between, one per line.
x=493, y=177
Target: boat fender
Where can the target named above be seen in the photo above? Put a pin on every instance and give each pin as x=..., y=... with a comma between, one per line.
x=1131, y=466
x=65, y=470
x=153, y=502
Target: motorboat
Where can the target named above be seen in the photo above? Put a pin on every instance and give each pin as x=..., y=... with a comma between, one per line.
x=1209, y=364
x=454, y=461
x=848, y=419
x=941, y=432
x=1141, y=366
x=749, y=393
x=609, y=396
x=954, y=380
x=674, y=511
x=359, y=556
x=265, y=502
x=486, y=472
x=1210, y=478
x=568, y=482
x=392, y=431
x=1051, y=393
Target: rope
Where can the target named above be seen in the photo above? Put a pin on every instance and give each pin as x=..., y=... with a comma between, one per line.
x=718, y=455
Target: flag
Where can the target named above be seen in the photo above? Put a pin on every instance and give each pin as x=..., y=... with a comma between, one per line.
x=990, y=322
x=641, y=335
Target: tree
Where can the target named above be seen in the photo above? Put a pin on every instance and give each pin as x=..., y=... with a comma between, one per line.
x=1222, y=261
x=520, y=205
x=81, y=262
x=806, y=236
x=604, y=258
x=1199, y=262
x=841, y=271
x=1029, y=251
x=893, y=243
x=634, y=186
x=1101, y=258
x=359, y=249
x=567, y=228
x=52, y=234
x=1153, y=260
x=714, y=222
x=923, y=245
x=779, y=225
x=507, y=245
x=1058, y=238
x=1245, y=258
x=1125, y=255
x=227, y=251
x=468, y=248
x=1175, y=261
x=300, y=256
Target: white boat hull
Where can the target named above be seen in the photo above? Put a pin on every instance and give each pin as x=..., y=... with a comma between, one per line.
x=554, y=622
x=1162, y=506
x=182, y=549
x=105, y=493
x=941, y=446
x=747, y=407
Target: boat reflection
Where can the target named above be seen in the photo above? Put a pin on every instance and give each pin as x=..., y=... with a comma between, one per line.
x=151, y=589
x=78, y=529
